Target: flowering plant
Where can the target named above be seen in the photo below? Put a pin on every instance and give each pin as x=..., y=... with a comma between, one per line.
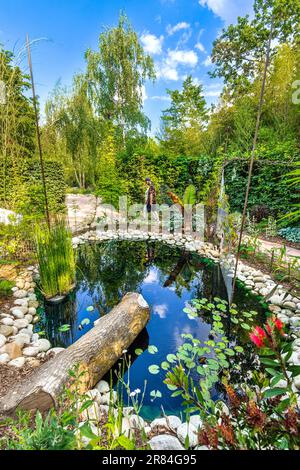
x=261, y=409
x=265, y=415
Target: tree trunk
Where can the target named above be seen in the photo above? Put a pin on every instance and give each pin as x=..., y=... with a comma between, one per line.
x=95, y=353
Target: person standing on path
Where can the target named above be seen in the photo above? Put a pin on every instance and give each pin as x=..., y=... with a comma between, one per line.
x=150, y=199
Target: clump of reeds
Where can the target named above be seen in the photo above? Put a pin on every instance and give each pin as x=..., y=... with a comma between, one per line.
x=56, y=260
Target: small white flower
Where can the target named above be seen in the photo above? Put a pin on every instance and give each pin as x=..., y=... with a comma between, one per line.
x=138, y=391
x=125, y=351
x=133, y=394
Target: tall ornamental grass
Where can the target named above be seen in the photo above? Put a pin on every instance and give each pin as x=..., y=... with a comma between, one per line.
x=56, y=259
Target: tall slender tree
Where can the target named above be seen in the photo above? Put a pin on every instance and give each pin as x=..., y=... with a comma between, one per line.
x=116, y=76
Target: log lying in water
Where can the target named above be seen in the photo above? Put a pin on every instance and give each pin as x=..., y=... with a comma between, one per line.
x=95, y=353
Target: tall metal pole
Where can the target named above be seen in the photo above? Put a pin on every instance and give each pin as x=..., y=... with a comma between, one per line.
x=38, y=135
x=259, y=113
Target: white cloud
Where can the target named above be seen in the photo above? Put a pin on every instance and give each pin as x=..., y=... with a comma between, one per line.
x=168, y=67
x=200, y=47
x=160, y=310
x=228, y=10
x=152, y=44
x=167, y=72
x=212, y=93
x=207, y=62
x=144, y=93
x=176, y=57
x=178, y=27
x=152, y=277
x=160, y=98
x=213, y=90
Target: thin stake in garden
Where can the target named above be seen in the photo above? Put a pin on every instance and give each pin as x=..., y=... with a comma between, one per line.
x=259, y=113
x=38, y=134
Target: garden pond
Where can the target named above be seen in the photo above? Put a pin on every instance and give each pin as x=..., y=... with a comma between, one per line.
x=169, y=278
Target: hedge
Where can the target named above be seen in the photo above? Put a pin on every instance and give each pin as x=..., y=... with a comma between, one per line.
x=269, y=187
x=24, y=188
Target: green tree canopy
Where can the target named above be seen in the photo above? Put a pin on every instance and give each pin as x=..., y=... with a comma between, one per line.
x=116, y=75
x=240, y=50
x=184, y=121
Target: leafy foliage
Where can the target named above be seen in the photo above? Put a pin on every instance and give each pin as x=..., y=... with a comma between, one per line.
x=290, y=234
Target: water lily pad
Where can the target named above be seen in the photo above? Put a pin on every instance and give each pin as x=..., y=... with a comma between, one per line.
x=152, y=350
x=171, y=358
x=139, y=352
x=229, y=352
x=86, y=322
x=154, y=369
x=90, y=309
x=156, y=394
x=64, y=328
x=171, y=387
x=165, y=365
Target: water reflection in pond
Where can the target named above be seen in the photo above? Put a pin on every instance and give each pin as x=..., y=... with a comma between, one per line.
x=167, y=277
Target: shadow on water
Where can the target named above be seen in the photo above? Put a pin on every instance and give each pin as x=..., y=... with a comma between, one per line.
x=168, y=278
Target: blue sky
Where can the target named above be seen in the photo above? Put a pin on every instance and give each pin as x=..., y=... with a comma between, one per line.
x=178, y=34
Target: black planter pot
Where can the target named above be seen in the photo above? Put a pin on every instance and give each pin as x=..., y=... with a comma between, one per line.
x=59, y=299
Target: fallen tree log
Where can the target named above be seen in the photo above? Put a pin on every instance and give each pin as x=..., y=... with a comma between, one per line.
x=95, y=353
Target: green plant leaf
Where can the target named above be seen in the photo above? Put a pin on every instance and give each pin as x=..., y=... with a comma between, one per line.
x=156, y=394
x=64, y=328
x=152, y=350
x=269, y=362
x=171, y=358
x=165, y=365
x=126, y=443
x=138, y=352
x=154, y=369
x=86, y=431
x=274, y=392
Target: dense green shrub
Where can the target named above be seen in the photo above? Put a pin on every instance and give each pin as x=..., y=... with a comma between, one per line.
x=269, y=188
x=290, y=234
x=168, y=173
x=24, y=190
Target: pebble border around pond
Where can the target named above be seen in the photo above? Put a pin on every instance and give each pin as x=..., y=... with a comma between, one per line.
x=20, y=345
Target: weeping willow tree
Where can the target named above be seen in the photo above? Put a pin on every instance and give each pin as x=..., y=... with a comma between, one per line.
x=116, y=75
x=17, y=132
x=73, y=130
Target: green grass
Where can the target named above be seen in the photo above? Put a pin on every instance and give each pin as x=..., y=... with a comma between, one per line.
x=56, y=259
x=6, y=287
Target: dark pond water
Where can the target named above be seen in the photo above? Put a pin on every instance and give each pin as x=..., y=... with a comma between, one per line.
x=168, y=278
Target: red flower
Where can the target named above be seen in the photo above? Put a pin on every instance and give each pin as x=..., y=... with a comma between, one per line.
x=258, y=336
x=273, y=325
x=279, y=325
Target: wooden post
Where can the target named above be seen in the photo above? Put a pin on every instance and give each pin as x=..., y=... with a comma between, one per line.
x=259, y=113
x=38, y=134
